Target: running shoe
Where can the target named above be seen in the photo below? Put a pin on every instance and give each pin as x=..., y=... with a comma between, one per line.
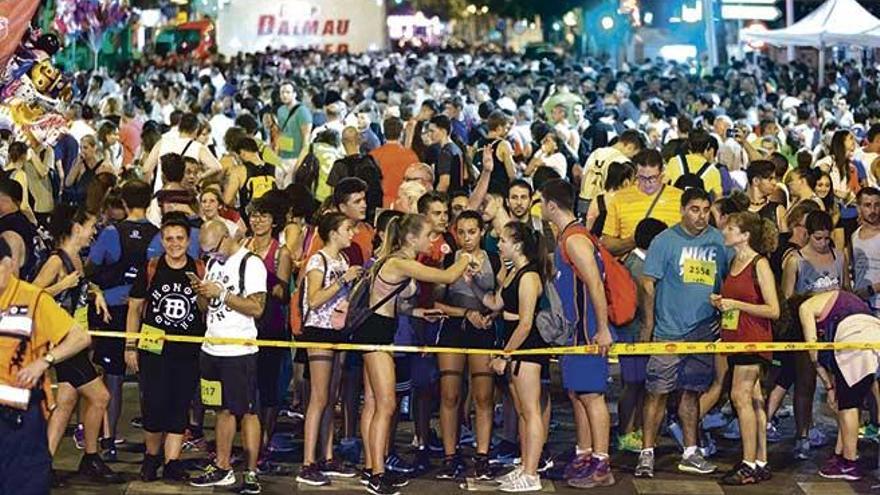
x=422, y=460
x=870, y=432
x=524, y=483
x=802, y=449
x=547, y=462
x=817, y=437
x=336, y=469
x=709, y=448
x=434, y=443
x=696, y=464
x=510, y=475
x=601, y=476
x=630, y=442
x=281, y=443
x=396, y=464
x=251, y=484
x=582, y=466
x=94, y=468
x=453, y=469
x=763, y=473
x=195, y=444
x=482, y=472
x=214, y=476
x=773, y=433
x=785, y=411
x=79, y=437
x=504, y=453
x=645, y=467
x=741, y=474
x=731, y=431
x=137, y=422
x=841, y=469
x=311, y=475
x=378, y=485
x=150, y=468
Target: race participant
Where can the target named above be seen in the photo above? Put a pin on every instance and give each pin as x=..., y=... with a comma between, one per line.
x=233, y=293
x=61, y=277
x=686, y=262
x=162, y=301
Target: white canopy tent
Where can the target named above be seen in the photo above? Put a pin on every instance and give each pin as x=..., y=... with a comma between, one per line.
x=835, y=22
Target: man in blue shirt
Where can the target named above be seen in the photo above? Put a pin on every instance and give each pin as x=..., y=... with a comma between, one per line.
x=115, y=259
x=685, y=265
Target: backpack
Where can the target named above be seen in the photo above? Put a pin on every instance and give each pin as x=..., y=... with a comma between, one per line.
x=620, y=288
x=260, y=180
x=688, y=178
x=297, y=317
x=351, y=313
x=307, y=172
x=728, y=185
x=134, y=240
x=550, y=320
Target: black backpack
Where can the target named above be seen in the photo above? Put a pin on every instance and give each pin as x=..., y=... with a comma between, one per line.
x=134, y=239
x=307, y=172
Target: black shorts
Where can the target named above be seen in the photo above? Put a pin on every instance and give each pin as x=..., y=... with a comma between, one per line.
x=403, y=374
x=238, y=381
x=851, y=397
x=168, y=384
x=77, y=371
x=787, y=367
x=110, y=352
x=746, y=359
x=269, y=361
x=377, y=330
x=460, y=334
x=323, y=335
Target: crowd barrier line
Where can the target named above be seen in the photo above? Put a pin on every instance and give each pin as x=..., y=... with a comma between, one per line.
x=637, y=349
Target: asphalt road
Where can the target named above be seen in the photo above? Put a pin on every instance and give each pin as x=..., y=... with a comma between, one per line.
x=790, y=476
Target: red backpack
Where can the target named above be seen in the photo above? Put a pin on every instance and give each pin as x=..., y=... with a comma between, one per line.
x=620, y=288
x=297, y=318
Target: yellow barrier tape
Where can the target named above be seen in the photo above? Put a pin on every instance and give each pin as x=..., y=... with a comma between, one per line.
x=639, y=349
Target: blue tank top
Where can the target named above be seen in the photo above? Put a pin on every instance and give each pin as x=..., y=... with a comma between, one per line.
x=812, y=280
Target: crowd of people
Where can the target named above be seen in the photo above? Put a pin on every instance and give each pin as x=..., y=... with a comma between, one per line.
x=438, y=199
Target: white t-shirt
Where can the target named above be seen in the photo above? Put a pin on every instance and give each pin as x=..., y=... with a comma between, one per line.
x=320, y=317
x=225, y=322
x=175, y=144
x=556, y=161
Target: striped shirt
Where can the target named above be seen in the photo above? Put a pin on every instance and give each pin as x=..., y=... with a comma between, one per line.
x=628, y=207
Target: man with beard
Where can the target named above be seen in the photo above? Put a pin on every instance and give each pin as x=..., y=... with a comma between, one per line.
x=866, y=248
x=519, y=200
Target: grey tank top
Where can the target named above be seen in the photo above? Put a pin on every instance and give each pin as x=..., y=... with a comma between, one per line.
x=811, y=280
x=460, y=295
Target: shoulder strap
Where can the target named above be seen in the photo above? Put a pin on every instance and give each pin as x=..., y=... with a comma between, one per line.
x=682, y=160
x=654, y=203
x=241, y=271
x=326, y=267
x=703, y=169
x=183, y=153
x=600, y=201
x=289, y=115
x=66, y=262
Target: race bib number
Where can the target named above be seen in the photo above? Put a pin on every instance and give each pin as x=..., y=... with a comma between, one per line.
x=699, y=272
x=211, y=393
x=285, y=143
x=730, y=319
x=81, y=317
x=151, y=339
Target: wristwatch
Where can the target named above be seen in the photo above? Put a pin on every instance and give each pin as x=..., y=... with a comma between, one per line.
x=49, y=358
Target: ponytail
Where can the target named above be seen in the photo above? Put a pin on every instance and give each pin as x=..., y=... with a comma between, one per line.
x=397, y=230
x=534, y=248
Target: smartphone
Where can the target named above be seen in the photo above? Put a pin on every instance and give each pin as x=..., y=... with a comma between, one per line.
x=193, y=278
x=731, y=133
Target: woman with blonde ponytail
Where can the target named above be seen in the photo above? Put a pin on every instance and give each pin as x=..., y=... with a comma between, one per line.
x=396, y=269
x=748, y=303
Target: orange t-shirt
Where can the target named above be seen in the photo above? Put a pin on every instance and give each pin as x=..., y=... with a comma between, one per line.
x=393, y=160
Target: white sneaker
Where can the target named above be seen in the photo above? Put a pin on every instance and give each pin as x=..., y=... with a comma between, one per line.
x=506, y=478
x=522, y=484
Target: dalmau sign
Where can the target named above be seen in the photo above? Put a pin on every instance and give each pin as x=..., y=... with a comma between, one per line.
x=330, y=25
